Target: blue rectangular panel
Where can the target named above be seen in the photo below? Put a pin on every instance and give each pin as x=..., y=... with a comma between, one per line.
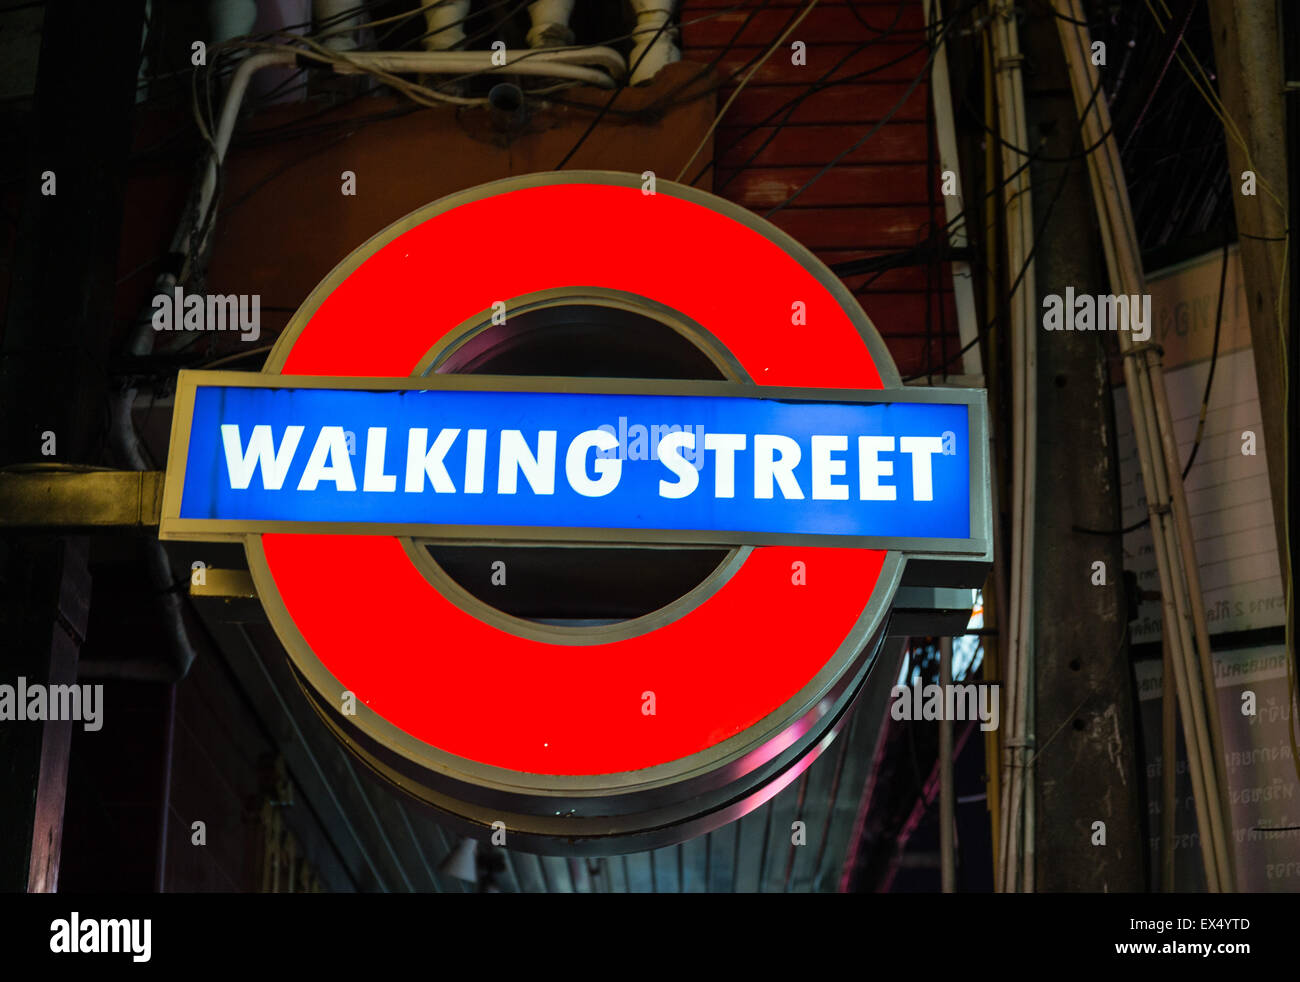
x=893, y=469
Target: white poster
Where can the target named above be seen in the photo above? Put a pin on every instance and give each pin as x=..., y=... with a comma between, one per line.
x=1227, y=488
x=1263, y=789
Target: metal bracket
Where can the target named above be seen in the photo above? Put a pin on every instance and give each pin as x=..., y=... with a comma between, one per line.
x=42, y=497
x=226, y=584
x=930, y=611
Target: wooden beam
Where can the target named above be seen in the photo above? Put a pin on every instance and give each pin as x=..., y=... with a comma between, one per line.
x=1248, y=63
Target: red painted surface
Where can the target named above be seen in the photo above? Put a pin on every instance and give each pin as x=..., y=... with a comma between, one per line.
x=470, y=689
x=452, y=681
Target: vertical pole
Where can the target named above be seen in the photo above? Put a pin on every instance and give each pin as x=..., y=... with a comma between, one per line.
x=53, y=388
x=1084, y=700
x=947, y=794
x=1016, y=849
x=954, y=205
x=1168, y=766
x=1249, y=78
x=1161, y=469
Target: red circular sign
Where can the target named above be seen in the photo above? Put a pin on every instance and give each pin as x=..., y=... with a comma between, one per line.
x=493, y=698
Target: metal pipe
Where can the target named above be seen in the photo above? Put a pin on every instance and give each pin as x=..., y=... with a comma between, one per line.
x=126, y=441
x=1174, y=614
x=954, y=207
x=550, y=23
x=1192, y=571
x=583, y=64
x=160, y=879
x=507, y=104
x=444, y=23
x=1168, y=768
x=1017, y=828
x=947, y=794
x=562, y=63
x=1161, y=471
x=342, y=28
x=996, y=650
x=655, y=45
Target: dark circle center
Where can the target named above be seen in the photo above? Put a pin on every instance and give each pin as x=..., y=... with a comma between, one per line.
x=579, y=584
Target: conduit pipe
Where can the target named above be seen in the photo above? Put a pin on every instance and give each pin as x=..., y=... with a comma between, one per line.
x=570, y=63
x=342, y=33
x=655, y=46
x=550, y=23
x=947, y=787
x=564, y=63
x=954, y=207
x=445, y=23
x=1016, y=835
x=1186, y=631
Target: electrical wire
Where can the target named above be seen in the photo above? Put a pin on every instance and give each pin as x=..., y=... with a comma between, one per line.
x=419, y=94
x=1191, y=8
x=740, y=86
x=1230, y=129
x=822, y=83
x=815, y=87
x=667, y=101
x=1029, y=257
x=921, y=76
x=853, y=10
x=1042, y=157
x=613, y=97
x=464, y=43
x=1214, y=359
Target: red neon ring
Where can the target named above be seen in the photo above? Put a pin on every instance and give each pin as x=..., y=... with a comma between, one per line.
x=472, y=690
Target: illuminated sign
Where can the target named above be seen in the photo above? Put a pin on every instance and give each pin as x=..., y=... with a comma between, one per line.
x=370, y=435
x=748, y=466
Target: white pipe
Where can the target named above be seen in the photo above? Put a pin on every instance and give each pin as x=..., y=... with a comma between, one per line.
x=1017, y=827
x=231, y=19
x=947, y=791
x=551, y=62
x=446, y=24
x=653, y=48
x=225, y=129
x=537, y=63
x=128, y=446
x=329, y=12
x=550, y=23
x=954, y=207
x=1162, y=476
x=562, y=63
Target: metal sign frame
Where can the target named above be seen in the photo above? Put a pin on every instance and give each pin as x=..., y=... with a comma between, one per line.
x=635, y=807
x=173, y=526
